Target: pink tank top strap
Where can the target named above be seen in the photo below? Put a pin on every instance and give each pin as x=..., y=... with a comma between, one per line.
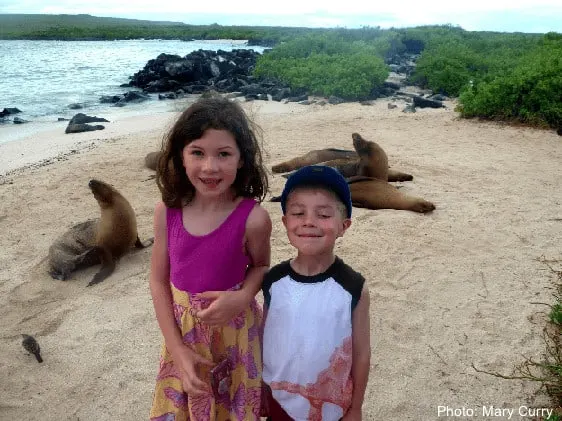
x=243, y=210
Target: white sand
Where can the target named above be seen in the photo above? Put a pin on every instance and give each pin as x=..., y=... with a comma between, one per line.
x=448, y=289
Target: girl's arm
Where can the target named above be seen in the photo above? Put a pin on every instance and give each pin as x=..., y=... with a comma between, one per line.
x=184, y=358
x=361, y=340
x=227, y=304
x=258, y=247
x=160, y=280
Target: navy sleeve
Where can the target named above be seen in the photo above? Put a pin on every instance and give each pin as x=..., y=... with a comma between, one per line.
x=350, y=280
x=274, y=274
x=266, y=286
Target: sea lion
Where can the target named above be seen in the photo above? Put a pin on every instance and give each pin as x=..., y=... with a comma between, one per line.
x=372, y=193
x=370, y=188
x=345, y=161
x=73, y=250
x=313, y=157
x=151, y=160
x=102, y=240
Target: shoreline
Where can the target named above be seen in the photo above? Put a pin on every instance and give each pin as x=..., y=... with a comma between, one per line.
x=39, y=143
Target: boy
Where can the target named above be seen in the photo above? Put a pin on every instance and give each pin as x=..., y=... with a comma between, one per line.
x=316, y=350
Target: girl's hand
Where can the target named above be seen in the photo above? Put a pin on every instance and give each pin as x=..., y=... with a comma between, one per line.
x=186, y=360
x=223, y=307
x=352, y=415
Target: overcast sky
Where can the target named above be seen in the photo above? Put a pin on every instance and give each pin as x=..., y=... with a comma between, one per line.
x=473, y=15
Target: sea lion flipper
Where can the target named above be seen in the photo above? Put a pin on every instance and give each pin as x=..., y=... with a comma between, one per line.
x=275, y=199
x=88, y=258
x=107, y=266
x=140, y=245
x=394, y=175
x=104, y=272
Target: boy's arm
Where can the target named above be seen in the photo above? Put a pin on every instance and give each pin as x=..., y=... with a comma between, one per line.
x=361, y=340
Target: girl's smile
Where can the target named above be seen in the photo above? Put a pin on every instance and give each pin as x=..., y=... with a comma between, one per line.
x=212, y=162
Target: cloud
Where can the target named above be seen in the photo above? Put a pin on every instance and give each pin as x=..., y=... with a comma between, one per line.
x=517, y=15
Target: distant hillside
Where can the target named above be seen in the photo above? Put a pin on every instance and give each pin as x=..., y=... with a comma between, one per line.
x=23, y=22
x=87, y=27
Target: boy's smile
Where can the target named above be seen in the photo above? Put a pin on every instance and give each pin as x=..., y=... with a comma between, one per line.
x=314, y=221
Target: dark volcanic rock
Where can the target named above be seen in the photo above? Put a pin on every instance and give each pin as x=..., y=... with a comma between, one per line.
x=425, y=103
x=78, y=123
x=81, y=118
x=203, y=70
x=9, y=111
x=78, y=128
x=132, y=97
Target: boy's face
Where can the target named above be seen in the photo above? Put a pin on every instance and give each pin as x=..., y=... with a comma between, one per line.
x=314, y=220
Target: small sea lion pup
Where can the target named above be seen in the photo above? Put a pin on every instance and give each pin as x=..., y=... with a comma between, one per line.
x=102, y=240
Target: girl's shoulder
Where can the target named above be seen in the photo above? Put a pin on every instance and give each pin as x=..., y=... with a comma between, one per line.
x=258, y=219
x=160, y=207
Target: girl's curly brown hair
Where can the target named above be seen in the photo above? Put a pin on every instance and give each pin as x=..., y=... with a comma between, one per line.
x=210, y=113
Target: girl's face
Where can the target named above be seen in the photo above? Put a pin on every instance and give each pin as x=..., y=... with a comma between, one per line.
x=211, y=162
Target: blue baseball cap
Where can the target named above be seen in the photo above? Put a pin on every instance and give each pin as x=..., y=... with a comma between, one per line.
x=322, y=176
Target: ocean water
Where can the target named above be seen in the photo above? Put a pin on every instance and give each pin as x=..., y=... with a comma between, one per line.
x=42, y=78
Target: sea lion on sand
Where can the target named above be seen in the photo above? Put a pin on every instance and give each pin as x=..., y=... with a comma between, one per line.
x=102, y=240
x=151, y=160
x=371, y=193
x=370, y=188
x=313, y=157
x=345, y=161
x=73, y=250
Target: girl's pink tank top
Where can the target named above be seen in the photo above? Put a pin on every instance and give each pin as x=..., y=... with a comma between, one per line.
x=210, y=262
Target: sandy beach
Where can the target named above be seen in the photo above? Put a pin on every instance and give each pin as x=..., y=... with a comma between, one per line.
x=449, y=289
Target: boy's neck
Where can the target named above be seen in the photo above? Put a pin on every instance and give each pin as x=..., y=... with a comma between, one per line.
x=312, y=265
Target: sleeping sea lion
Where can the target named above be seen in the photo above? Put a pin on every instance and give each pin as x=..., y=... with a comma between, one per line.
x=345, y=161
x=370, y=188
x=313, y=157
x=72, y=250
x=102, y=240
x=151, y=160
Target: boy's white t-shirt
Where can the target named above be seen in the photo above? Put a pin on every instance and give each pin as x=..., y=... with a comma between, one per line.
x=307, y=349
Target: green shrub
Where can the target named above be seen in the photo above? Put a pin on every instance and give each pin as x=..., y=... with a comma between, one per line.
x=328, y=64
x=447, y=68
x=529, y=93
x=345, y=75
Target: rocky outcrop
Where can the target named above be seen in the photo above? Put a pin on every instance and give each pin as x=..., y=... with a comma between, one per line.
x=9, y=111
x=121, y=100
x=172, y=77
x=79, y=123
x=203, y=70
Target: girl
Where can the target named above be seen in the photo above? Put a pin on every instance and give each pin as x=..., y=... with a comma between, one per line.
x=211, y=250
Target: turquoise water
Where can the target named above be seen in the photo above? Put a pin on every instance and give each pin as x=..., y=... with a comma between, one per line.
x=42, y=78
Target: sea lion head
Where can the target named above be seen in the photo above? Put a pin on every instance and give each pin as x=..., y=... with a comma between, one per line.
x=361, y=145
x=103, y=192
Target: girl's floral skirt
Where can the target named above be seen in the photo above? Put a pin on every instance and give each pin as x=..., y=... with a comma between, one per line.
x=238, y=341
